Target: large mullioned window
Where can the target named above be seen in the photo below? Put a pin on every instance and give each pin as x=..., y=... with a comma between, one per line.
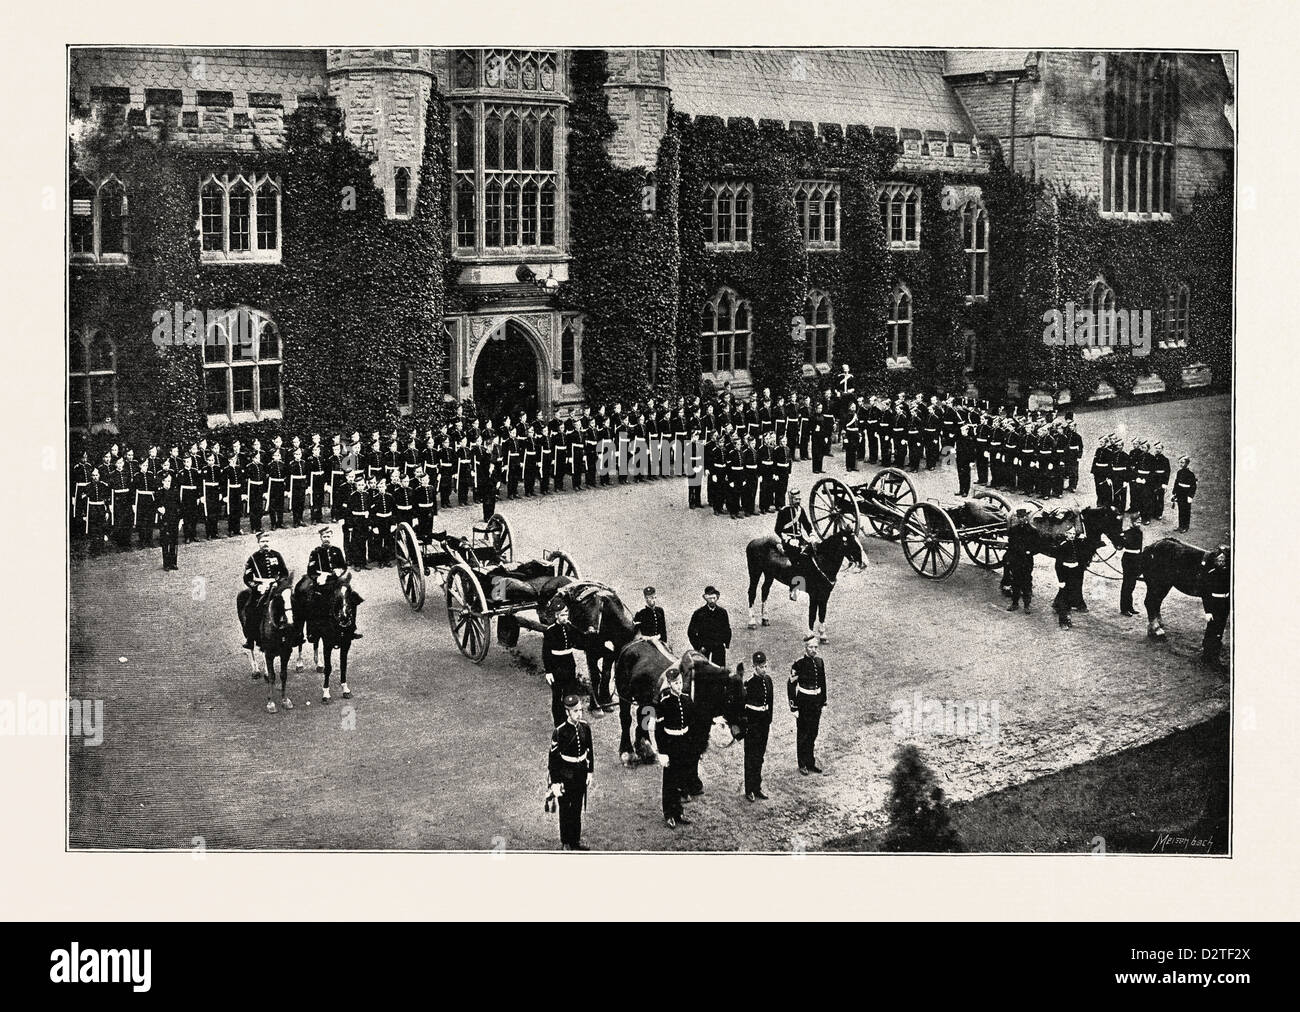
x=92, y=380
x=1138, y=148
x=239, y=218
x=898, y=328
x=817, y=211
x=818, y=326
x=97, y=221
x=725, y=336
x=975, y=239
x=242, y=362
x=727, y=209
x=900, y=214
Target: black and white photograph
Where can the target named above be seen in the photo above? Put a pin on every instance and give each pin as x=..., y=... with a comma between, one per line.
x=760, y=450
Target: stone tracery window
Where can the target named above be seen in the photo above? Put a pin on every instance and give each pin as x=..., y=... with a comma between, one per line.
x=725, y=336
x=899, y=328
x=975, y=239
x=98, y=221
x=239, y=218
x=817, y=213
x=1101, y=303
x=1177, y=317
x=726, y=208
x=818, y=329
x=1138, y=149
x=92, y=380
x=900, y=214
x=242, y=361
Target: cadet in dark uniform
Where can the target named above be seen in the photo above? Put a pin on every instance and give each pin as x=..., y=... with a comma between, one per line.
x=94, y=506
x=123, y=503
x=1130, y=546
x=299, y=476
x=381, y=524
x=1216, y=585
x=404, y=502
x=233, y=487
x=1184, y=492
x=356, y=530
x=318, y=481
x=807, y=692
x=650, y=621
x=465, y=473
x=145, y=485
x=673, y=715
x=255, y=489
x=709, y=631
x=1159, y=480
x=1069, y=578
x=852, y=430
x=1101, y=458
x=168, y=504
x=560, y=644
x=426, y=507
x=749, y=458
x=735, y=478
x=571, y=769
x=967, y=448
x=758, y=694
x=488, y=466
x=1019, y=560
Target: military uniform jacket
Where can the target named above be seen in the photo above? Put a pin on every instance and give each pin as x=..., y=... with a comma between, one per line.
x=191, y=481
x=1184, y=484
x=759, y=694
x=1101, y=463
x=1130, y=541
x=560, y=642
x=792, y=522
x=673, y=715
x=650, y=622
x=709, y=628
x=325, y=559
x=1159, y=469
x=807, y=682
x=571, y=758
x=264, y=564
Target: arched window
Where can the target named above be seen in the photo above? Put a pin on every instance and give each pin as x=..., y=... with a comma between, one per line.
x=464, y=142
x=569, y=351
x=900, y=214
x=528, y=143
x=726, y=210
x=970, y=349
x=899, y=328
x=1101, y=304
x=1177, y=321
x=242, y=364
x=817, y=212
x=548, y=214
x=239, y=218
x=97, y=221
x=465, y=68
x=975, y=237
x=402, y=191
x=818, y=329
x=92, y=380
x=510, y=143
x=492, y=141
x=1138, y=151
x=725, y=336
x=465, y=213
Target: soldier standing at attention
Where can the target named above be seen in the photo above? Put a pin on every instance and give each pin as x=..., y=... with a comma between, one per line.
x=807, y=692
x=255, y=491
x=1069, y=578
x=1159, y=480
x=1101, y=471
x=758, y=694
x=299, y=476
x=1019, y=561
x=852, y=430
x=488, y=465
x=146, y=484
x=190, y=481
x=571, y=769
x=1130, y=546
x=213, y=483
x=357, y=528
x=94, y=505
x=1184, y=492
x=426, y=507
x=123, y=501
x=318, y=480
x=233, y=481
x=650, y=621
x=404, y=501
x=673, y=715
x=709, y=631
x=168, y=502
x=464, y=472
x=560, y=642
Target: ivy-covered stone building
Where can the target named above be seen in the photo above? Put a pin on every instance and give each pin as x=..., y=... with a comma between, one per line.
x=361, y=238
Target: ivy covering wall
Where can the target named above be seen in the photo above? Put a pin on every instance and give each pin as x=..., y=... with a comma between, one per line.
x=355, y=293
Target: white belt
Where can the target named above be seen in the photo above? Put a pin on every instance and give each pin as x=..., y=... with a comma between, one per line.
x=1127, y=551
x=751, y=706
x=669, y=730
x=572, y=759
x=565, y=652
x=810, y=692
x=1069, y=564
x=1218, y=595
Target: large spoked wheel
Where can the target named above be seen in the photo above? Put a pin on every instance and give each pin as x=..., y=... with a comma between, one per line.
x=930, y=541
x=564, y=565
x=500, y=538
x=410, y=566
x=833, y=508
x=987, y=548
x=896, y=489
x=467, y=613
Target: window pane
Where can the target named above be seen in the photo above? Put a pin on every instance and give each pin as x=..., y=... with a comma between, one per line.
x=529, y=143
x=801, y=211
x=269, y=343
x=243, y=387
x=464, y=69
x=82, y=217
x=269, y=380
x=546, y=145
x=211, y=217
x=101, y=353
x=214, y=387
x=724, y=233
x=492, y=141
x=512, y=214
x=268, y=229
x=832, y=216
x=215, y=342
x=742, y=316
x=401, y=193
x=465, y=214
x=814, y=232
x=567, y=355
x=448, y=350
x=530, y=214
x=112, y=218
x=492, y=208
x=740, y=350
x=548, y=215
x=464, y=141
x=240, y=225
x=510, y=145
x=742, y=216
x=101, y=398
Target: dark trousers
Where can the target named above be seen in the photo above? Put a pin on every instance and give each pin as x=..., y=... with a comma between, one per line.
x=354, y=542
x=255, y=517
x=232, y=521
x=1129, y=565
x=751, y=490
x=733, y=496
x=1184, y=513
x=570, y=806
x=755, y=749
x=1157, y=501
x=932, y=453
x=1071, y=475
x=850, y=452
x=818, y=452
x=981, y=468
x=1069, y=594
x=693, y=492
x=448, y=479
x=873, y=447
x=671, y=793
x=1102, y=485
x=167, y=539
x=1020, y=580
x=715, y=492
x=1214, y=628
x=963, y=477
x=489, y=505
x=212, y=520
x=807, y=723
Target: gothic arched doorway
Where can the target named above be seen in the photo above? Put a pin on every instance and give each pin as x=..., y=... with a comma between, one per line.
x=506, y=374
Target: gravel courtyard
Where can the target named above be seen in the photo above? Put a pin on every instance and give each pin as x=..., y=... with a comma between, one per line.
x=437, y=753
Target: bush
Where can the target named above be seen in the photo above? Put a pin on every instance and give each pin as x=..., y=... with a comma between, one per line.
x=918, y=810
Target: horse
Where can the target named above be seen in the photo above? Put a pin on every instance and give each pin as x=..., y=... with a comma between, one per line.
x=602, y=619
x=1169, y=564
x=640, y=677
x=274, y=633
x=767, y=560
x=329, y=617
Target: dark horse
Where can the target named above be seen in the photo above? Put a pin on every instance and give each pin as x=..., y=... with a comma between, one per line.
x=1169, y=564
x=329, y=615
x=273, y=634
x=640, y=679
x=604, y=622
x=1049, y=529
x=768, y=561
